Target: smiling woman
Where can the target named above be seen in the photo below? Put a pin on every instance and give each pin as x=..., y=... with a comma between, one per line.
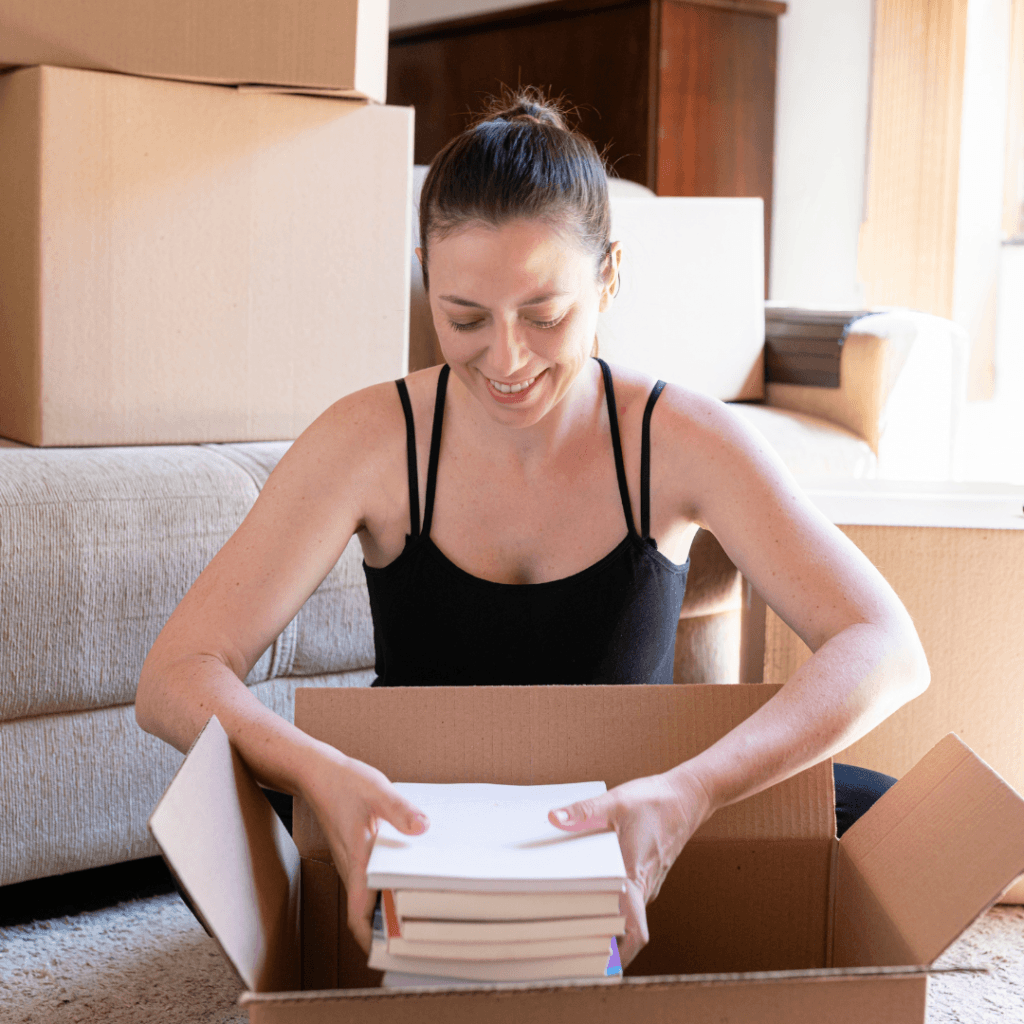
x=526, y=345
x=519, y=189
x=559, y=499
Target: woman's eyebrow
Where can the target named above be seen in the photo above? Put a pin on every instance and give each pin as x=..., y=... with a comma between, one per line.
x=538, y=300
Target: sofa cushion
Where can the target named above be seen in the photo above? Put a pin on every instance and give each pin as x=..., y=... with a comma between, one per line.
x=98, y=546
x=80, y=787
x=812, y=448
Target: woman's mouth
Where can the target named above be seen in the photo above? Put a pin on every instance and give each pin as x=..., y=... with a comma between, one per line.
x=511, y=393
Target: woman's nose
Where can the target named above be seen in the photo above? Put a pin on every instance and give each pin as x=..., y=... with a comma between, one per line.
x=509, y=351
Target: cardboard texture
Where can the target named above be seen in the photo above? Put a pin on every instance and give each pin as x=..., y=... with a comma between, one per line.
x=743, y=928
x=256, y=919
x=955, y=557
x=339, y=46
x=949, y=810
x=187, y=263
x=782, y=1000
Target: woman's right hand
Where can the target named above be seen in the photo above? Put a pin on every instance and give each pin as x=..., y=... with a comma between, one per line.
x=348, y=798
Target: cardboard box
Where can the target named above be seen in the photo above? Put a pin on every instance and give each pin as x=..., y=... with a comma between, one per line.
x=954, y=554
x=187, y=263
x=338, y=46
x=765, y=917
x=675, y=297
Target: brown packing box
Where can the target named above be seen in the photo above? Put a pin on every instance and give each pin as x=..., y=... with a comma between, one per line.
x=764, y=918
x=187, y=263
x=340, y=46
x=954, y=553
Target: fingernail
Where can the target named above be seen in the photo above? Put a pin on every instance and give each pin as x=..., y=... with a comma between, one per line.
x=563, y=816
x=420, y=823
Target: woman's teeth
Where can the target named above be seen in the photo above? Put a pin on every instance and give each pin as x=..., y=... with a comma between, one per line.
x=511, y=389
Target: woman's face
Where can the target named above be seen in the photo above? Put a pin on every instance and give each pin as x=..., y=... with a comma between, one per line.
x=515, y=309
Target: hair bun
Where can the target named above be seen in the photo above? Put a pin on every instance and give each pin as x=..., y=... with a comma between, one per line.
x=526, y=104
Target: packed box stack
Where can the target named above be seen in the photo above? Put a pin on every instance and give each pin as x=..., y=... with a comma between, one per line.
x=212, y=243
x=492, y=891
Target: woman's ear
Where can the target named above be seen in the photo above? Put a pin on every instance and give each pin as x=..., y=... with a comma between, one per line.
x=610, y=274
x=423, y=268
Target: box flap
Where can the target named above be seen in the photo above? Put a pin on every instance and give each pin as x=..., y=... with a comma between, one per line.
x=235, y=860
x=932, y=854
x=529, y=735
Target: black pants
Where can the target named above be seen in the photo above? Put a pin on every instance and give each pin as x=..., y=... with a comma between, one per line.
x=856, y=790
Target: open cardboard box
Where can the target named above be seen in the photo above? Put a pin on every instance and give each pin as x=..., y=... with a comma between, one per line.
x=765, y=917
x=954, y=554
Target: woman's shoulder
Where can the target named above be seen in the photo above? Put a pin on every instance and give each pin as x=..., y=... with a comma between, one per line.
x=678, y=407
x=696, y=437
x=372, y=416
x=359, y=443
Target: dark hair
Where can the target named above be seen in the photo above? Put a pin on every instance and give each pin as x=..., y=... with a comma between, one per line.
x=519, y=160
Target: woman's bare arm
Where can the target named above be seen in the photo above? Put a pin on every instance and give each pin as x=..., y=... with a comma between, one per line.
x=327, y=486
x=306, y=514
x=867, y=660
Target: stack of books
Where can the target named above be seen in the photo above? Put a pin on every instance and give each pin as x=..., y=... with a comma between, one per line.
x=492, y=891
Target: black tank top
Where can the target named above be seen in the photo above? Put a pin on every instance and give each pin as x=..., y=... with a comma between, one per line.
x=435, y=624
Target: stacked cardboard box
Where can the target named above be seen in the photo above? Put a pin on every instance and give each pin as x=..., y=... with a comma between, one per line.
x=191, y=262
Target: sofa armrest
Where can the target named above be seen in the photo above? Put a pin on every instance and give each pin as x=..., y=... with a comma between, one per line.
x=901, y=388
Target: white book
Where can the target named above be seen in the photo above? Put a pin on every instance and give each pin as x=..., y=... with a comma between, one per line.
x=488, y=837
x=595, y=945
x=503, y=906
x=592, y=966
x=418, y=930
x=399, y=979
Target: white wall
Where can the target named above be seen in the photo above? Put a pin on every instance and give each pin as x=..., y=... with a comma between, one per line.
x=980, y=188
x=405, y=13
x=821, y=125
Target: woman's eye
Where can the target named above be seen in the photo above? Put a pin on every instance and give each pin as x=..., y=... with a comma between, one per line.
x=472, y=325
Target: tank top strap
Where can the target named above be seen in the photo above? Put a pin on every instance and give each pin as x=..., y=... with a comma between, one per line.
x=613, y=421
x=435, y=448
x=410, y=454
x=645, y=461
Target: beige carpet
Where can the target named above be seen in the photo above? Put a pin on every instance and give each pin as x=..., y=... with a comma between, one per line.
x=148, y=960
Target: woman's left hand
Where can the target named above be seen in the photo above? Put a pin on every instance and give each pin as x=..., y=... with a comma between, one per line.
x=654, y=818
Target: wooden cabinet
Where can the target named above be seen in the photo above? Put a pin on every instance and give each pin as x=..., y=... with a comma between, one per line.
x=680, y=95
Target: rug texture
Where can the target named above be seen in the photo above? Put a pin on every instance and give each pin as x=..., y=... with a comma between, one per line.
x=150, y=960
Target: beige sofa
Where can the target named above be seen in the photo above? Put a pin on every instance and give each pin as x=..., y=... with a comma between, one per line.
x=97, y=546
